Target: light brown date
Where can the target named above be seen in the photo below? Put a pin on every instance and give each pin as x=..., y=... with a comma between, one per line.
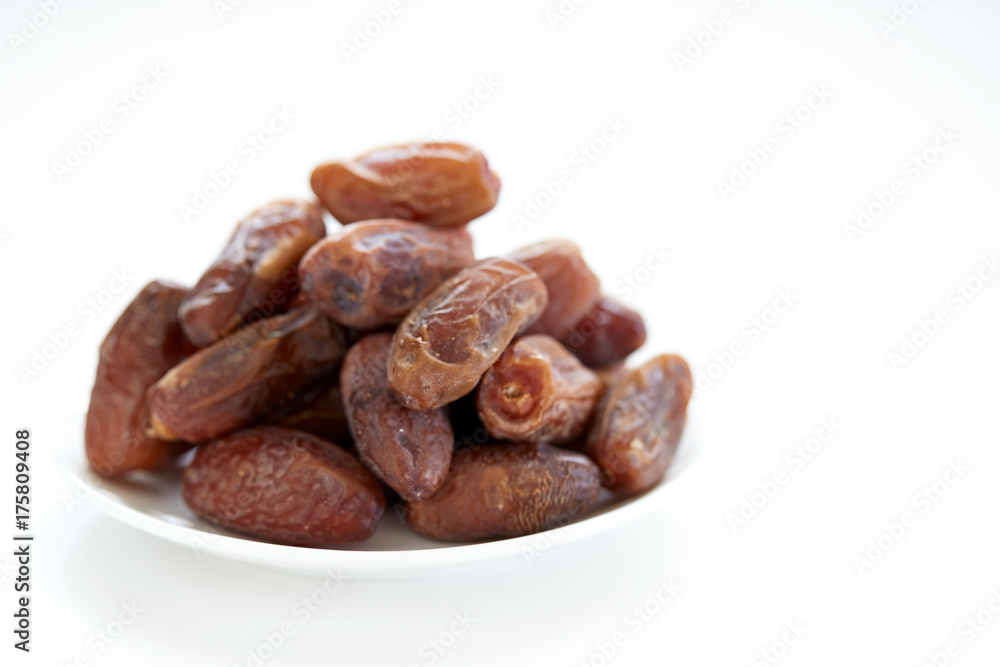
x=639, y=424
x=572, y=286
x=372, y=273
x=255, y=272
x=283, y=486
x=437, y=184
x=144, y=343
x=446, y=343
x=507, y=490
x=537, y=392
x=245, y=377
x=409, y=450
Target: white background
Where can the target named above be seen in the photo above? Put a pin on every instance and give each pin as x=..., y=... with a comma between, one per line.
x=656, y=185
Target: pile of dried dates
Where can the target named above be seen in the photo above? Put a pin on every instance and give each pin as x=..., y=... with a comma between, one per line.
x=320, y=374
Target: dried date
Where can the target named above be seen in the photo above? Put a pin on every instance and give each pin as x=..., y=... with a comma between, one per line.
x=372, y=273
x=437, y=184
x=537, y=392
x=409, y=450
x=572, y=286
x=639, y=424
x=144, y=343
x=254, y=273
x=446, y=343
x=507, y=490
x=245, y=377
x=283, y=486
x=606, y=334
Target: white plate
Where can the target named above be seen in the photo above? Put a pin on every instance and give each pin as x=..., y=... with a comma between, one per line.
x=153, y=504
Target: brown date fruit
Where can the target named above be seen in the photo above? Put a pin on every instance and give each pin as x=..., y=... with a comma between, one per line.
x=608, y=377
x=245, y=377
x=255, y=272
x=507, y=490
x=606, y=334
x=409, y=450
x=573, y=288
x=537, y=392
x=639, y=423
x=144, y=343
x=324, y=416
x=437, y=184
x=446, y=343
x=372, y=273
x=283, y=486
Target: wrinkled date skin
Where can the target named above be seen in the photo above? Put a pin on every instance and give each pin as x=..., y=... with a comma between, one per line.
x=255, y=272
x=409, y=450
x=372, y=273
x=454, y=335
x=507, y=490
x=144, y=343
x=573, y=288
x=324, y=417
x=537, y=392
x=252, y=373
x=441, y=185
x=283, y=486
x=639, y=423
x=606, y=334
